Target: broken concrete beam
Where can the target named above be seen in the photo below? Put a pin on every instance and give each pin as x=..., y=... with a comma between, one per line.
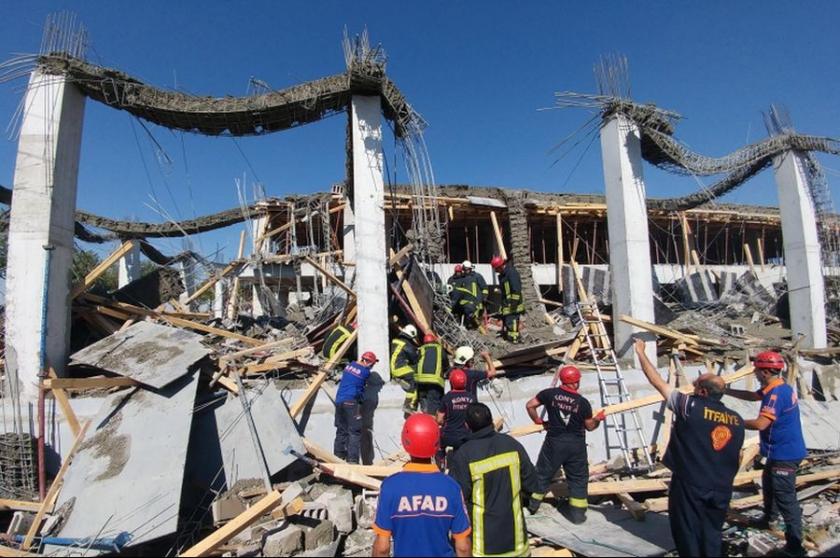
x=284, y=542
x=339, y=503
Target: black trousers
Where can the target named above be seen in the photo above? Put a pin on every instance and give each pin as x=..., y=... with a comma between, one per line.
x=568, y=452
x=348, y=431
x=511, y=322
x=778, y=483
x=428, y=398
x=696, y=516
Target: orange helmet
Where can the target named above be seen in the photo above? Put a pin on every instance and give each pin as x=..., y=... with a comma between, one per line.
x=429, y=338
x=421, y=436
x=497, y=262
x=569, y=375
x=458, y=379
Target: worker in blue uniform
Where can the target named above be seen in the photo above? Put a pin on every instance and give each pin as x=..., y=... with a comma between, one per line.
x=421, y=509
x=348, y=408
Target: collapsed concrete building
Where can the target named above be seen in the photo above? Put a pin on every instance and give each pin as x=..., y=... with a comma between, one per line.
x=237, y=385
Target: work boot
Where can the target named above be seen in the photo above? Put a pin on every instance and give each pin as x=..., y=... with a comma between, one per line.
x=534, y=505
x=573, y=513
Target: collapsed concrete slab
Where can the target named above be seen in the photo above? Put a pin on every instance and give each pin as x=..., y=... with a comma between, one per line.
x=152, y=354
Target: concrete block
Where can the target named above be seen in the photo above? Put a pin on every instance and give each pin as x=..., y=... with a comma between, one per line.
x=322, y=551
x=359, y=543
x=318, y=534
x=284, y=542
x=365, y=512
x=339, y=503
x=226, y=508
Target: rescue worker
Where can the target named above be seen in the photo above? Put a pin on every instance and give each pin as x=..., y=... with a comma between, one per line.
x=703, y=453
x=781, y=444
x=404, y=365
x=336, y=338
x=348, y=408
x=452, y=414
x=513, y=306
x=464, y=359
x=496, y=477
x=569, y=416
x=470, y=291
x=431, y=363
x=420, y=508
x=457, y=276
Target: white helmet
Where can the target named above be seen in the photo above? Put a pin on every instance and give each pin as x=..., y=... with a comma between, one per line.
x=409, y=331
x=463, y=355
x=467, y=264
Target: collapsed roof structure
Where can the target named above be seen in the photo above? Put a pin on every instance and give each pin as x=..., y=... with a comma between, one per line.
x=199, y=410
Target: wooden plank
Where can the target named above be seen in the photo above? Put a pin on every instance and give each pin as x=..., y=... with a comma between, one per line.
x=52, y=493
x=77, y=384
x=659, y=330
x=635, y=509
x=233, y=300
x=257, y=349
x=292, y=508
x=236, y=525
x=103, y=266
x=749, y=451
x=299, y=405
x=64, y=403
x=760, y=244
x=320, y=453
x=750, y=262
x=228, y=384
x=6, y=551
x=213, y=280
x=497, y=231
x=379, y=471
x=278, y=361
x=413, y=301
x=396, y=258
x=330, y=276
x=19, y=505
x=686, y=232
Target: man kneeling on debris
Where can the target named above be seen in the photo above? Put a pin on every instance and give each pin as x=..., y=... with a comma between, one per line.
x=703, y=455
x=348, y=408
x=495, y=474
x=569, y=417
x=781, y=444
x=420, y=507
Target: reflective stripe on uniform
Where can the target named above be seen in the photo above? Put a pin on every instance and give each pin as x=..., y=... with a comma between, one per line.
x=478, y=469
x=334, y=340
x=397, y=346
x=436, y=376
x=579, y=502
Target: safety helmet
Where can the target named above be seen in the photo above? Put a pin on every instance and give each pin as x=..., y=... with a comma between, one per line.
x=421, y=436
x=458, y=379
x=497, y=262
x=466, y=264
x=369, y=357
x=409, y=331
x=449, y=289
x=569, y=375
x=769, y=360
x=459, y=268
x=429, y=338
x=463, y=355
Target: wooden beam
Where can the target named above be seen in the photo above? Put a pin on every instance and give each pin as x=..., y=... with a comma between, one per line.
x=52, y=493
x=277, y=361
x=64, y=403
x=396, y=258
x=299, y=405
x=78, y=384
x=559, y=266
x=19, y=505
x=213, y=280
x=760, y=244
x=330, y=276
x=686, y=338
x=257, y=349
x=320, y=453
x=209, y=544
x=233, y=300
x=749, y=451
x=413, y=301
x=635, y=509
x=103, y=266
x=686, y=244
x=750, y=262
x=500, y=242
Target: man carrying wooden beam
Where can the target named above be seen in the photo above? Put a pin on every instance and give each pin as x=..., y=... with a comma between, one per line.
x=703, y=454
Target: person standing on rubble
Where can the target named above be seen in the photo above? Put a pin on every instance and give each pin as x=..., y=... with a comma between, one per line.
x=496, y=475
x=348, y=408
x=335, y=339
x=464, y=360
x=703, y=455
x=404, y=365
x=513, y=305
x=452, y=415
x=431, y=364
x=569, y=417
x=470, y=291
x=782, y=445
x=420, y=508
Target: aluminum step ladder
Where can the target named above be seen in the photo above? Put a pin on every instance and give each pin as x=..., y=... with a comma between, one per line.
x=622, y=434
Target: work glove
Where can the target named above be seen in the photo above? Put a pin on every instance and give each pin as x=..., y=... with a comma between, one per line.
x=534, y=505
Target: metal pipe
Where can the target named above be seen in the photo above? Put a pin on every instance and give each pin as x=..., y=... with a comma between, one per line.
x=42, y=374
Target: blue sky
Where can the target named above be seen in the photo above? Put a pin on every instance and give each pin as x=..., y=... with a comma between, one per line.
x=477, y=71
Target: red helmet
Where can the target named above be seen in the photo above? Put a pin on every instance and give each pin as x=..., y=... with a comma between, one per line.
x=769, y=360
x=369, y=357
x=429, y=338
x=421, y=436
x=459, y=268
x=355, y=324
x=569, y=375
x=497, y=262
x=458, y=379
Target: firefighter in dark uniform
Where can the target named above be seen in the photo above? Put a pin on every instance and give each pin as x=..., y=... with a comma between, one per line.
x=703, y=454
x=452, y=415
x=513, y=306
x=335, y=339
x=470, y=291
x=404, y=365
x=569, y=417
x=496, y=477
x=451, y=289
x=431, y=364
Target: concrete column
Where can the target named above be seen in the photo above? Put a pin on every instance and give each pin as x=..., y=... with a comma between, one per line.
x=368, y=207
x=129, y=267
x=43, y=208
x=632, y=284
x=219, y=299
x=806, y=296
x=349, y=245
x=257, y=309
x=187, y=268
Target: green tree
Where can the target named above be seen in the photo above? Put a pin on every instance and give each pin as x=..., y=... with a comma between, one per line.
x=83, y=263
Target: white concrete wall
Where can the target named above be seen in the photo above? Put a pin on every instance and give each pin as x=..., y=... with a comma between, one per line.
x=802, y=251
x=631, y=273
x=43, y=210
x=129, y=266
